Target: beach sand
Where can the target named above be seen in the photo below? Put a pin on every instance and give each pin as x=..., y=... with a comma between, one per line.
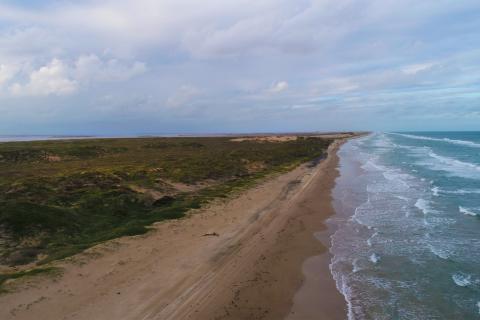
x=251, y=257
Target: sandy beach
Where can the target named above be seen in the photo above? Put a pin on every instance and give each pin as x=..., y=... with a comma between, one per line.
x=254, y=256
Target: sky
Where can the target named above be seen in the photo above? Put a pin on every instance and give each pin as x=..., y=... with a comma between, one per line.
x=125, y=67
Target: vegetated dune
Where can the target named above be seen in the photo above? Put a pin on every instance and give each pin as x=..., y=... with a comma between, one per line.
x=58, y=198
x=238, y=258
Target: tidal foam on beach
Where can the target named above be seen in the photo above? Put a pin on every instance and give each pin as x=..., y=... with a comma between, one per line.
x=407, y=239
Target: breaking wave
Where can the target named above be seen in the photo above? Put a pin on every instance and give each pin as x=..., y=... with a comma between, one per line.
x=447, y=140
x=468, y=211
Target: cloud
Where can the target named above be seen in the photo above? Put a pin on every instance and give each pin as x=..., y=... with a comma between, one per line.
x=335, y=85
x=206, y=29
x=416, y=68
x=278, y=87
x=336, y=55
x=7, y=72
x=19, y=42
x=58, y=77
x=212, y=28
x=182, y=96
x=51, y=79
x=90, y=68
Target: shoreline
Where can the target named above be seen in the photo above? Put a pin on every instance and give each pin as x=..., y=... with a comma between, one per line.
x=318, y=297
x=175, y=272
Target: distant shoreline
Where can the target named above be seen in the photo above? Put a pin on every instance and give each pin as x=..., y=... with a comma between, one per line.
x=41, y=137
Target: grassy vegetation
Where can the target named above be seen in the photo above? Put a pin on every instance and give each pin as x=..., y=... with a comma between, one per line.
x=60, y=197
x=27, y=273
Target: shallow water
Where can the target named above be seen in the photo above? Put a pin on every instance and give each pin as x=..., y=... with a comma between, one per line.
x=407, y=240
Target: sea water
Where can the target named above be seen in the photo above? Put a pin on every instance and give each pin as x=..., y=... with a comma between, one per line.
x=407, y=231
x=11, y=138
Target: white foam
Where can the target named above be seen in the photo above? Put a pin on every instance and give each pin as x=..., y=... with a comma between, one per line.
x=424, y=206
x=442, y=220
x=478, y=305
x=452, y=166
x=369, y=240
x=435, y=191
x=407, y=212
x=462, y=279
x=461, y=191
x=355, y=266
x=432, y=160
x=355, y=218
x=383, y=143
x=454, y=162
x=341, y=284
x=453, y=141
x=371, y=165
x=374, y=258
x=463, y=142
x=397, y=177
x=443, y=254
x=468, y=211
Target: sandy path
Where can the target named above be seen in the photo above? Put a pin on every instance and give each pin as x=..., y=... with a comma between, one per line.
x=250, y=271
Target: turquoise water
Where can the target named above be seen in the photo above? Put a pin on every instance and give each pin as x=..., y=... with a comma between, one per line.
x=407, y=239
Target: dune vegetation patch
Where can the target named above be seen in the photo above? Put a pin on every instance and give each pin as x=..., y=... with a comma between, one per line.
x=58, y=198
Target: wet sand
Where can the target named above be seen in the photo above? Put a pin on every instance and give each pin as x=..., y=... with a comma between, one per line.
x=318, y=297
x=254, y=267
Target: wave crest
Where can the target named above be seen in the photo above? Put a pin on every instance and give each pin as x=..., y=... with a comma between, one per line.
x=447, y=140
x=468, y=211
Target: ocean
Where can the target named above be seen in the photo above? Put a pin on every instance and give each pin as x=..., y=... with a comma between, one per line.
x=406, y=241
x=11, y=138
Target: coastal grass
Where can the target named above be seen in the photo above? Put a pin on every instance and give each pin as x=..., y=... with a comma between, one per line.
x=4, y=277
x=58, y=198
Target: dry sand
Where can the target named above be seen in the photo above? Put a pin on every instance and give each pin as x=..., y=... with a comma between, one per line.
x=250, y=269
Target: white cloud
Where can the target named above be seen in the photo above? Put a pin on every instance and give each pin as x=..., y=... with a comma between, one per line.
x=335, y=85
x=51, y=79
x=213, y=28
x=182, y=96
x=328, y=50
x=24, y=42
x=416, y=68
x=7, y=72
x=278, y=87
x=204, y=29
x=58, y=77
x=90, y=68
